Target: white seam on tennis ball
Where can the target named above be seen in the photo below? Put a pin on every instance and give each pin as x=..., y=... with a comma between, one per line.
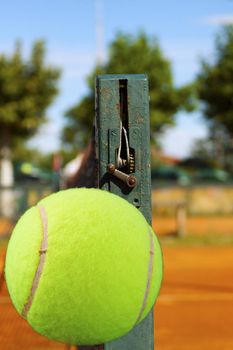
x=149, y=276
x=42, y=251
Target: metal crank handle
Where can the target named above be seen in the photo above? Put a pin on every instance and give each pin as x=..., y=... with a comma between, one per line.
x=130, y=180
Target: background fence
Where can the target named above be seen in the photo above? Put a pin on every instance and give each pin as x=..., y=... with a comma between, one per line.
x=14, y=201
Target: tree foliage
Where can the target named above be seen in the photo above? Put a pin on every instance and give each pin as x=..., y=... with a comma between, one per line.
x=27, y=88
x=132, y=55
x=215, y=83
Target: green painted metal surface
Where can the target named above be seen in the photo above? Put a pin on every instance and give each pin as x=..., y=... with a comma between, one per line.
x=122, y=101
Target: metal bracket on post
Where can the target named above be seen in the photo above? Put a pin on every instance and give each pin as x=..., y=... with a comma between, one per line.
x=122, y=140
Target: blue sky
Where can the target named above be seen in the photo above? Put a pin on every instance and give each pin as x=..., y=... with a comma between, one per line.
x=185, y=29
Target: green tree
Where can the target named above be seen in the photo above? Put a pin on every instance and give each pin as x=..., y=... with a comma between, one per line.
x=215, y=91
x=131, y=55
x=215, y=87
x=27, y=88
x=203, y=149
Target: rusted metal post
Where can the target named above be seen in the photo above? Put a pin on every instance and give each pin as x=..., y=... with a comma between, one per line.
x=181, y=219
x=122, y=144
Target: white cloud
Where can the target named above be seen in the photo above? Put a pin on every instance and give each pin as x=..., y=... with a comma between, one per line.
x=185, y=56
x=48, y=137
x=178, y=141
x=75, y=64
x=66, y=56
x=218, y=19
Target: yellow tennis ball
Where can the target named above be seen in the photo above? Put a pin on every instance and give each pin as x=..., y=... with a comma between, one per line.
x=83, y=266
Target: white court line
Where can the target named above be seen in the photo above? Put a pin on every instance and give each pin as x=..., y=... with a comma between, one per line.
x=172, y=298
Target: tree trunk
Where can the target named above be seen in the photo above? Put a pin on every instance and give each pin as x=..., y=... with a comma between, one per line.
x=6, y=166
x=6, y=177
x=6, y=169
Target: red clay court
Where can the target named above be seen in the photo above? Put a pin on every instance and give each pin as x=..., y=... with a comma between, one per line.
x=194, y=310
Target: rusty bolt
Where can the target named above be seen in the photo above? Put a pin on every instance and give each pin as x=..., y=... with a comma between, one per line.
x=132, y=181
x=111, y=168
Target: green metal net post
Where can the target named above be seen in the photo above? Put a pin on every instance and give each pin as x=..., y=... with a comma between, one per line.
x=122, y=142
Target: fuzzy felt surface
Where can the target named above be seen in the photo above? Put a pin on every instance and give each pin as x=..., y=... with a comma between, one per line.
x=95, y=273
x=22, y=257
